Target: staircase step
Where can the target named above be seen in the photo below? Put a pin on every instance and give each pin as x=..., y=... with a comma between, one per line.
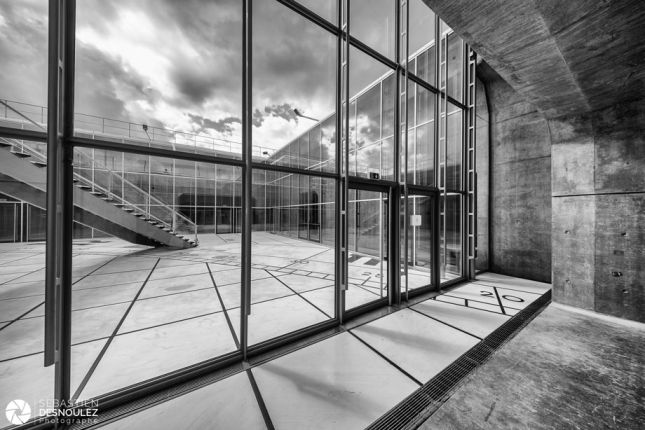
x=20, y=154
x=98, y=194
x=138, y=214
x=5, y=145
x=85, y=187
x=128, y=209
x=39, y=164
x=119, y=205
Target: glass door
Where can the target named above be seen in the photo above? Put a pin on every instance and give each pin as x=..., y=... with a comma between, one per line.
x=367, y=244
x=419, y=238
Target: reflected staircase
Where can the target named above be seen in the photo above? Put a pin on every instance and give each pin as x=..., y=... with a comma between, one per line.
x=23, y=176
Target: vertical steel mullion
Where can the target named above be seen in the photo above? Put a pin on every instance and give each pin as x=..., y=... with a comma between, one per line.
x=443, y=141
x=436, y=274
x=394, y=221
x=436, y=220
x=51, y=272
x=338, y=184
x=65, y=188
x=343, y=154
x=404, y=23
x=247, y=175
x=24, y=228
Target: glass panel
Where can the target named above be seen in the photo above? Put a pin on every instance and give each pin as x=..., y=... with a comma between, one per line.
x=22, y=274
x=421, y=139
x=328, y=214
x=294, y=84
x=455, y=67
x=373, y=23
x=367, y=258
x=292, y=273
x=327, y=9
x=450, y=252
x=136, y=291
x=454, y=148
x=422, y=35
x=371, y=113
x=23, y=43
x=168, y=74
x=419, y=241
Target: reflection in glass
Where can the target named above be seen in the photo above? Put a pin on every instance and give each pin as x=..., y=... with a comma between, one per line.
x=421, y=39
x=22, y=274
x=151, y=301
x=421, y=139
x=162, y=73
x=373, y=23
x=451, y=246
x=293, y=270
x=23, y=43
x=454, y=148
x=294, y=88
x=367, y=241
x=419, y=241
x=327, y=9
x=455, y=67
x=371, y=117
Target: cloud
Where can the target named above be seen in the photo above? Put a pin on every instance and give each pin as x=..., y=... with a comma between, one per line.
x=283, y=111
x=223, y=125
x=258, y=118
x=180, y=64
x=105, y=86
x=23, y=50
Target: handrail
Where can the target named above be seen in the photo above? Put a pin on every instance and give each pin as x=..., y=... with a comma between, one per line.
x=97, y=126
x=26, y=149
x=174, y=212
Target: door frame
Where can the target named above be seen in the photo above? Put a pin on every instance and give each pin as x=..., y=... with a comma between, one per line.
x=389, y=189
x=435, y=276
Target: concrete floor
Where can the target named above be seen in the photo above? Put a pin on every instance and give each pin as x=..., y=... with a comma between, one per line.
x=140, y=312
x=566, y=369
x=134, y=301
x=350, y=379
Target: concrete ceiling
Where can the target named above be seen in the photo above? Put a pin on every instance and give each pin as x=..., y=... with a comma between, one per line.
x=566, y=57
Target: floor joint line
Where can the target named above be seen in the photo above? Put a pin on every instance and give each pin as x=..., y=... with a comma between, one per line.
x=221, y=302
x=380, y=354
x=96, y=362
x=499, y=300
x=298, y=294
x=443, y=322
x=22, y=315
x=260, y=400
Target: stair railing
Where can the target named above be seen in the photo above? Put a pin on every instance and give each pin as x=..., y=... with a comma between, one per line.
x=182, y=224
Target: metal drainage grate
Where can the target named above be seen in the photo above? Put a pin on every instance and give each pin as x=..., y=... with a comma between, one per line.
x=420, y=405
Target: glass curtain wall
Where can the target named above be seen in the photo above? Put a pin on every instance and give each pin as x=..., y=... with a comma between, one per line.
x=163, y=142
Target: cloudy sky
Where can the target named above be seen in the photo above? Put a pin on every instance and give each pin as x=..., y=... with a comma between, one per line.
x=178, y=64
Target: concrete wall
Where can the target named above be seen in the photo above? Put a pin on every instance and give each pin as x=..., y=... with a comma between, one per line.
x=598, y=228
x=520, y=183
x=567, y=200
